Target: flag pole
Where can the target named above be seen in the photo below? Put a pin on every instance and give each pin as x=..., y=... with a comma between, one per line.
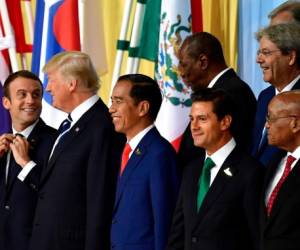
x=133, y=60
x=9, y=34
x=122, y=43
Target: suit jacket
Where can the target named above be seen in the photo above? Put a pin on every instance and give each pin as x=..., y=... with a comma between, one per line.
x=17, y=199
x=265, y=152
x=281, y=230
x=146, y=196
x=228, y=216
x=245, y=102
x=77, y=188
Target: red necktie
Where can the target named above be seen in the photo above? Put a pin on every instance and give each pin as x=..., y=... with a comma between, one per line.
x=125, y=157
x=275, y=191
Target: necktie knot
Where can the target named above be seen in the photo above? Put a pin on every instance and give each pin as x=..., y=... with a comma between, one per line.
x=125, y=157
x=208, y=164
x=290, y=161
x=65, y=125
x=19, y=134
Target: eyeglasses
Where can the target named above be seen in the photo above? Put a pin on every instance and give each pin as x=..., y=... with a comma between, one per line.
x=265, y=52
x=273, y=119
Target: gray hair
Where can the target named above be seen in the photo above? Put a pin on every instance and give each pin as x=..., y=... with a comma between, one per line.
x=285, y=36
x=293, y=7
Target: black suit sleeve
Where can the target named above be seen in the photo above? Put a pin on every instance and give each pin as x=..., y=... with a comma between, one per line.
x=176, y=236
x=252, y=204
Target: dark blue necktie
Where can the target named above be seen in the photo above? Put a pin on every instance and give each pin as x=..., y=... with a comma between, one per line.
x=64, y=126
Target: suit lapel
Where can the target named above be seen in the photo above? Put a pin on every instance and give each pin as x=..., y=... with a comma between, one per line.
x=286, y=191
x=220, y=182
x=133, y=162
x=67, y=140
x=13, y=171
x=192, y=191
x=69, y=137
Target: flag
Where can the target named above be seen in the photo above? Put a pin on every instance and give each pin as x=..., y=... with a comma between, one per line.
x=93, y=36
x=218, y=21
x=148, y=48
x=5, y=122
x=175, y=25
x=56, y=30
x=16, y=19
x=197, y=22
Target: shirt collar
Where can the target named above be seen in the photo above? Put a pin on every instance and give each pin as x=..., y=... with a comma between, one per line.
x=82, y=108
x=26, y=132
x=138, y=137
x=296, y=153
x=215, y=79
x=222, y=153
x=289, y=86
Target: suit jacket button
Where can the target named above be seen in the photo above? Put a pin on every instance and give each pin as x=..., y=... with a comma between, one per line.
x=194, y=240
x=7, y=207
x=33, y=186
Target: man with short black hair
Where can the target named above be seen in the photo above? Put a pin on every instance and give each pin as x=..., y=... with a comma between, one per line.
x=148, y=181
x=202, y=65
x=218, y=202
x=28, y=147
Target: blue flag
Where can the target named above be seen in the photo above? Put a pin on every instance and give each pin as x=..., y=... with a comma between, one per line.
x=5, y=123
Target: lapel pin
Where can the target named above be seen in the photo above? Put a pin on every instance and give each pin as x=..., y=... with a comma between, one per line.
x=227, y=171
x=138, y=151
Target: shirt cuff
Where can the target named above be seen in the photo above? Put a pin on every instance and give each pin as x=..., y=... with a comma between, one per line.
x=26, y=170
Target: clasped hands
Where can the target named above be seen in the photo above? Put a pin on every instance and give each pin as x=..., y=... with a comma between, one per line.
x=18, y=145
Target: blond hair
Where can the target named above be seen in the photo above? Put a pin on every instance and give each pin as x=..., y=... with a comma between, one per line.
x=75, y=65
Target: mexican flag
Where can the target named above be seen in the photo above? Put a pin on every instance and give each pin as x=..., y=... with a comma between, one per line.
x=165, y=26
x=175, y=25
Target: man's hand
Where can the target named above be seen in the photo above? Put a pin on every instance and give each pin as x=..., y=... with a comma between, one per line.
x=20, y=148
x=5, y=141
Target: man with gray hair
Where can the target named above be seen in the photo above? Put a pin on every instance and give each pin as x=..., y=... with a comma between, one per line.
x=288, y=11
x=279, y=59
x=77, y=187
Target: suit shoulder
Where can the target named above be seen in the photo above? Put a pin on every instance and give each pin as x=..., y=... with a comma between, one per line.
x=249, y=166
x=266, y=92
x=43, y=129
x=159, y=144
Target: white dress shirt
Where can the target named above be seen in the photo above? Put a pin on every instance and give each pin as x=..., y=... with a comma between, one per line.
x=219, y=157
x=31, y=164
x=288, y=87
x=137, y=138
x=279, y=172
x=76, y=114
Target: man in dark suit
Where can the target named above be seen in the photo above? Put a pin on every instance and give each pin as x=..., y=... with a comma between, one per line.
x=77, y=187
x=280, y=225
x=218, y=202
x=202, y=65
x=27, y=147
x=148, y=183
x=279, y=59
